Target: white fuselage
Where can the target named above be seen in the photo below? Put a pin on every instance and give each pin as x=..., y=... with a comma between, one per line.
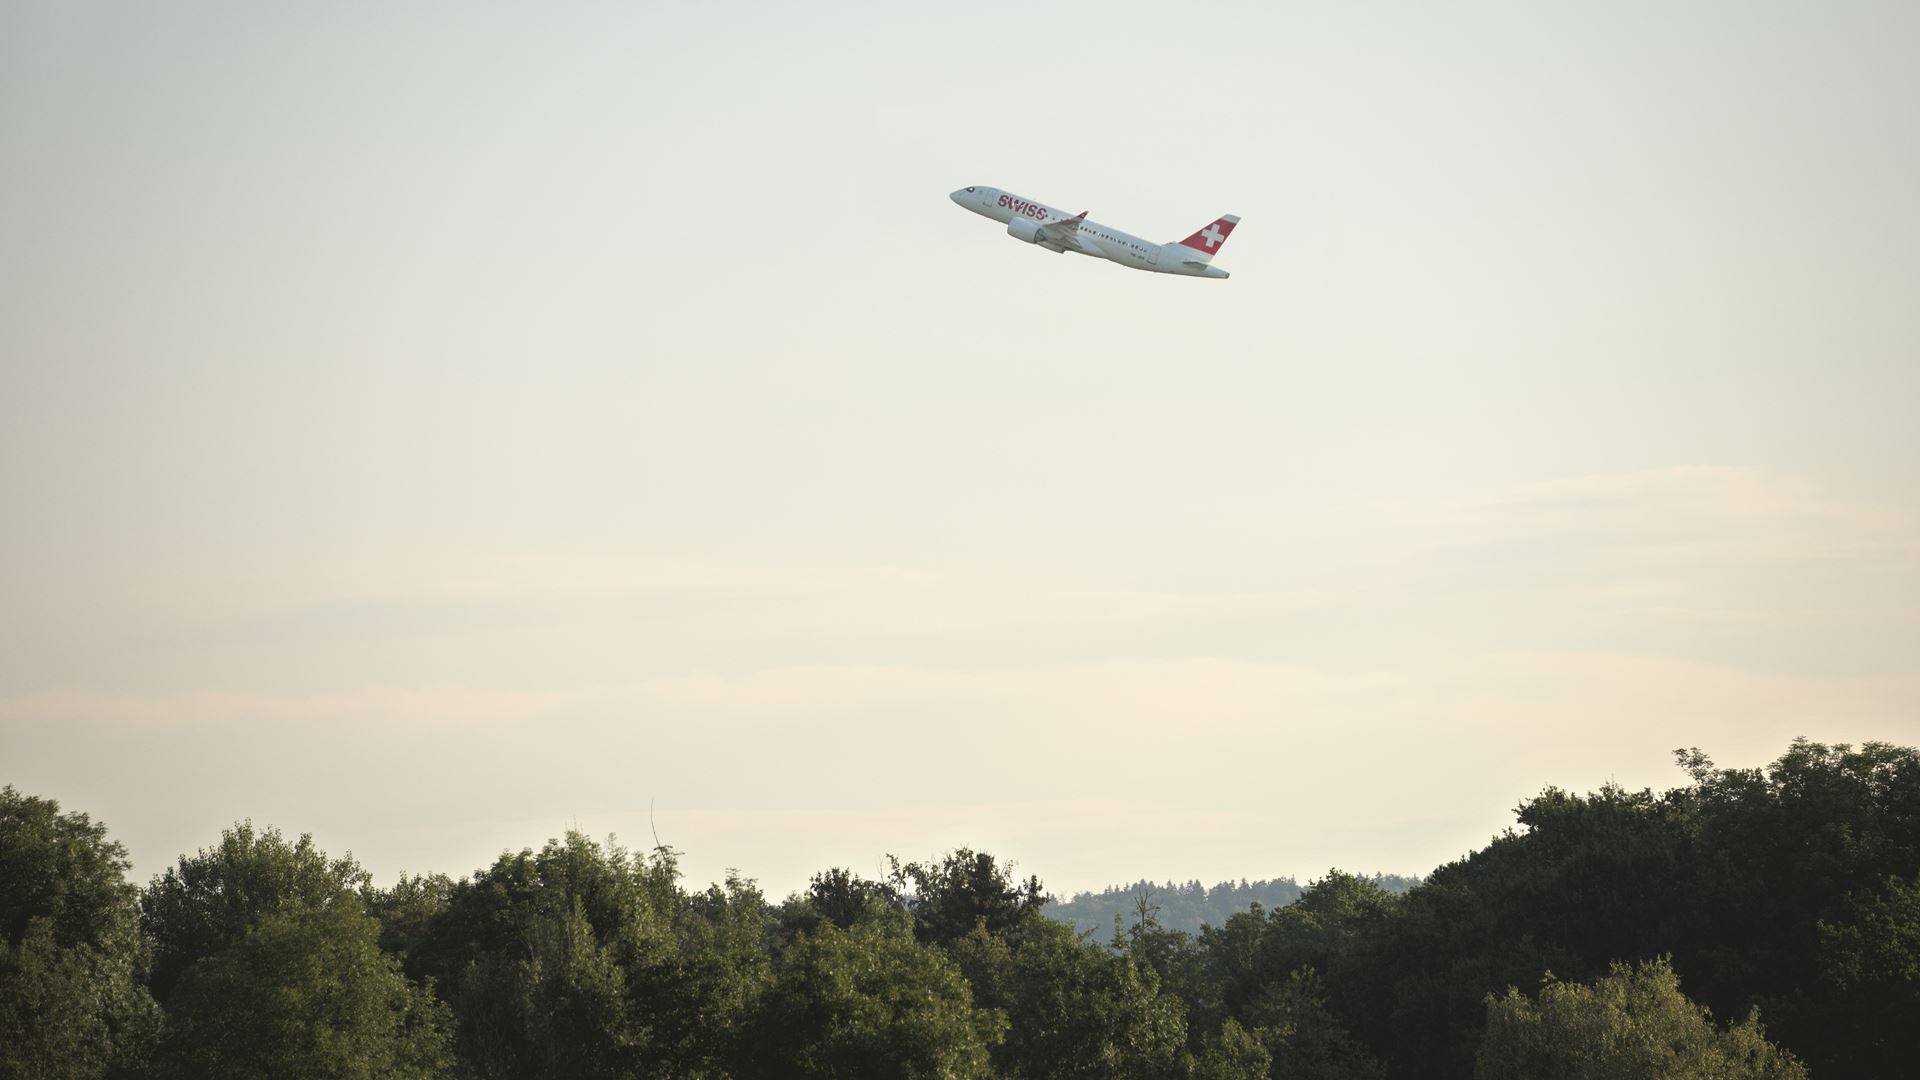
x=1090, y=238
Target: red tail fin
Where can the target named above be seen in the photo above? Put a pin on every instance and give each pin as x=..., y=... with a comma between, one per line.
x=1209, y=240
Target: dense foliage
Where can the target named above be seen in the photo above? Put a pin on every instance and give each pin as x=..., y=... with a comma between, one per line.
x=72, y=1002
x=1632, y=1024
x=1611, y=934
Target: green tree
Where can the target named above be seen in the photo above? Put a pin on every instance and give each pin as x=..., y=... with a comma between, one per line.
x=209, y=900
x=870, y=1001
x=1177, y=960
x=844, y=897
x=407, y=911
x=1233, y=1054
x=562, y=1009
x=1256, y=958
x=586, y=960
x=1734, y=875
x=722, y=965
x=1078, y=1009
x=986, y=960
x=950, y=896
x=1777, y=852
x=1172, y=954
x=1632, y=1024
x=1869, y=988
x=305, y=994
x=1585, y=880
x=59, y=867
x=537, y=956
x=1326, y=930
x=71, y=1003
x=269, y=964
x=1305, y=1042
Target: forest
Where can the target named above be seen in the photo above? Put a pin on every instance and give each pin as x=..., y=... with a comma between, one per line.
x=1748, y=922
x=1187, y=906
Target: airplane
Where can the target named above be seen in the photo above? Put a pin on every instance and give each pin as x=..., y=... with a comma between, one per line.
x=1058, y=232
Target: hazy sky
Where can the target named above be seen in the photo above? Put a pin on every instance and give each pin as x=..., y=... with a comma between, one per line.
x=434, y=426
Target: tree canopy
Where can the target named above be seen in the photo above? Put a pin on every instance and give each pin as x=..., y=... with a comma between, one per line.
x=72, y=962
x=1789, y=894
x=1631, y=1024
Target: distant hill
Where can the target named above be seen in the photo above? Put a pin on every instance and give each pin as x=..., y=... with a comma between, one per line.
x=1188, y=906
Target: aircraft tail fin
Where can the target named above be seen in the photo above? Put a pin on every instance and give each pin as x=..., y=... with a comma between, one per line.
x=1210, y=239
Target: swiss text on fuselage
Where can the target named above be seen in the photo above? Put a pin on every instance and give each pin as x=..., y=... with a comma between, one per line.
x=1024, y=208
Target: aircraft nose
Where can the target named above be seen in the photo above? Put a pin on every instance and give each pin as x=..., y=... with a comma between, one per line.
x=959, y=196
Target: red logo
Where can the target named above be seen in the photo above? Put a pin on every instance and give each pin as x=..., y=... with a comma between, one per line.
x=1210, y=238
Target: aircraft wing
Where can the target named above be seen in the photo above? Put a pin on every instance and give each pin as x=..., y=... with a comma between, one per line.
x=1065, y=233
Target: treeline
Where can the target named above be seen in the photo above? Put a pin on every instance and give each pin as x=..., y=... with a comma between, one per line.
x=1186, y=907
x=1612, y=934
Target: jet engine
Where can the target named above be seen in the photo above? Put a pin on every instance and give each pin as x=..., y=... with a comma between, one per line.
x=1024, y=229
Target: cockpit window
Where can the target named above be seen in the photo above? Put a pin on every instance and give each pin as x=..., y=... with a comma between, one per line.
x=969, y=189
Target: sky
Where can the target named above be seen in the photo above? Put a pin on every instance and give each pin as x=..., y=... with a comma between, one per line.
x=435, y=427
